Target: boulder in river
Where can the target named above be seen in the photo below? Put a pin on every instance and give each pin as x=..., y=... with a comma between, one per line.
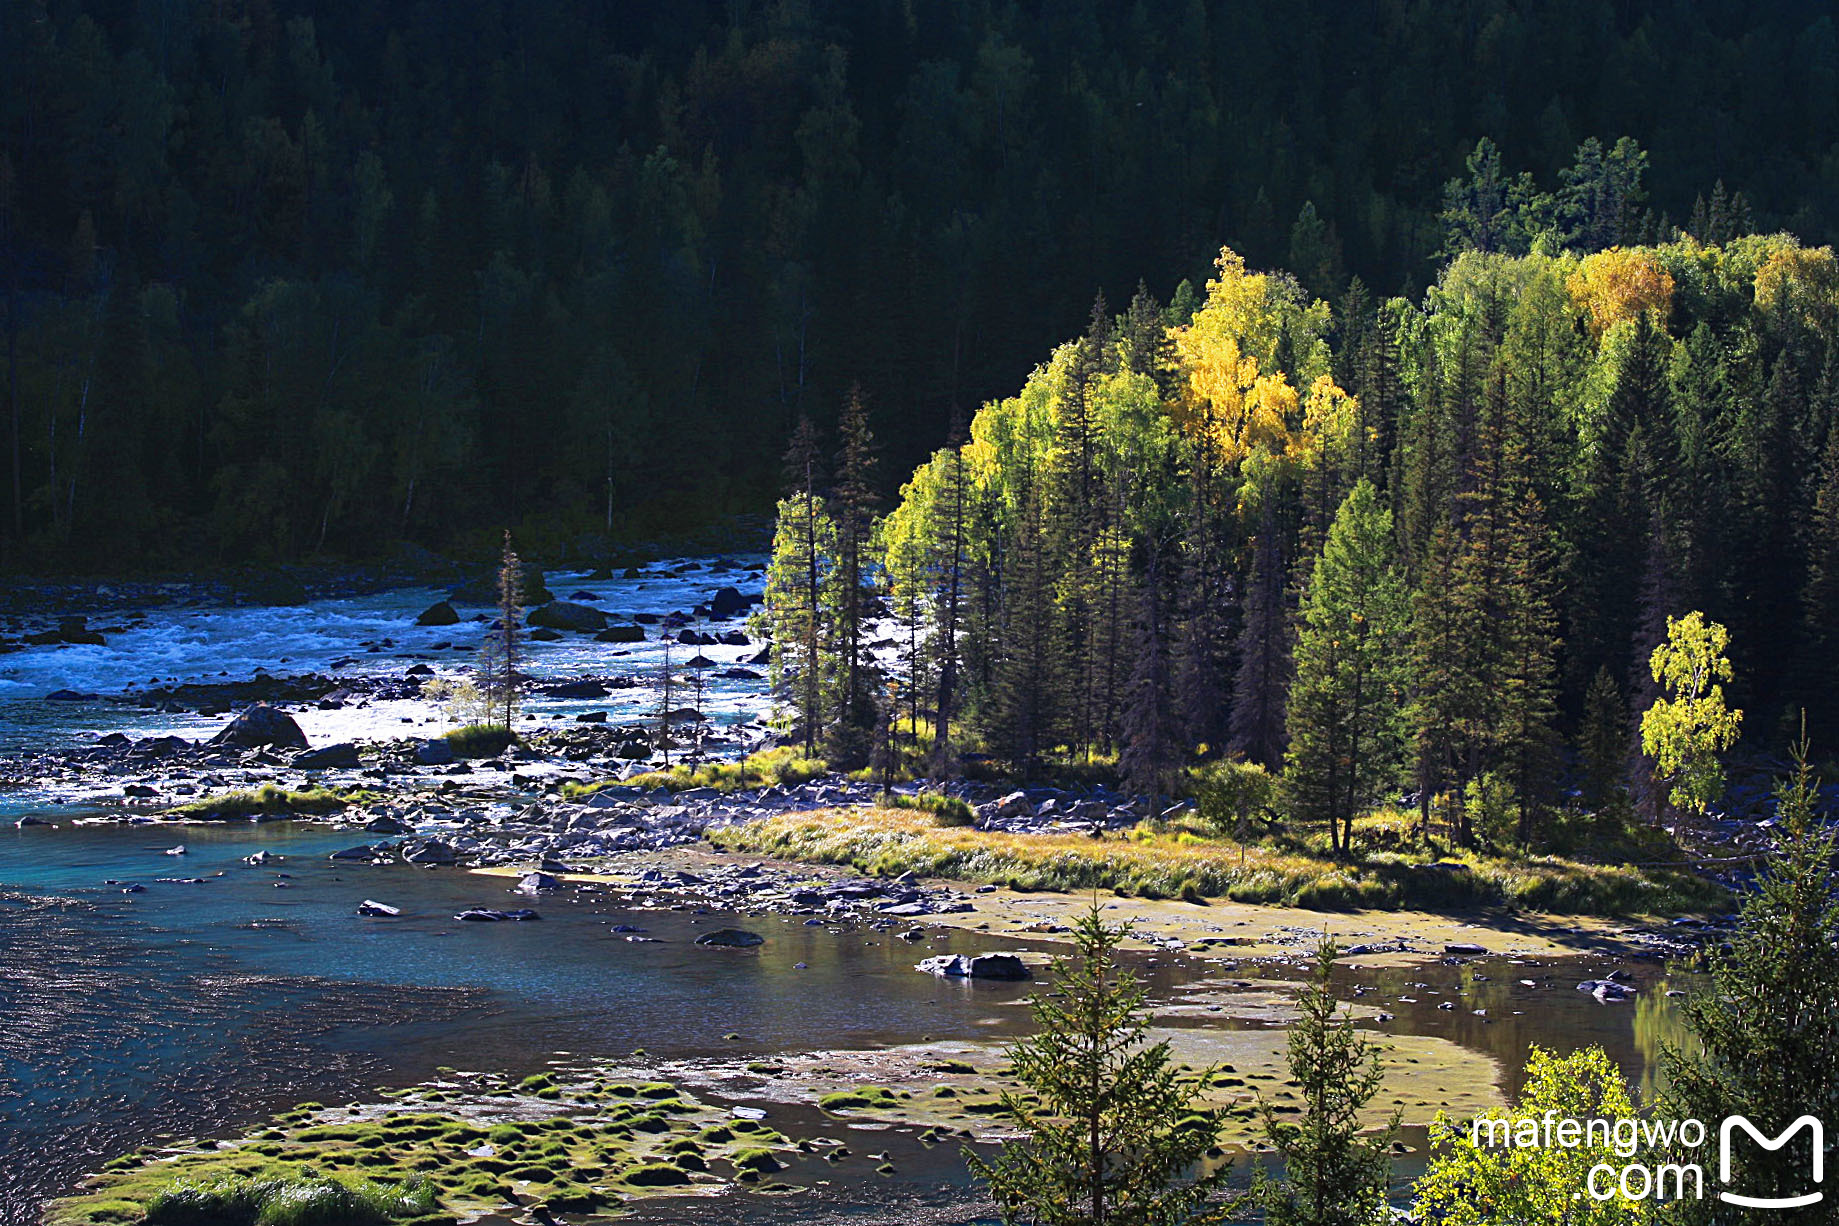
x=262, y=725
x=345, y=753
x=76, y=630
x=378, y=910
x=428, y=851
x=434, y=753
x=29, y=820
x=586, y=688
x=726, y=603
x=621, y=634
x=731, y=938
x=70, y=696
x=567, y=615
x=536, y=883
x=978, y=966
x=440, y=613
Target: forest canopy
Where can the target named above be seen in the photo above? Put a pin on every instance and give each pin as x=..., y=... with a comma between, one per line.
x=282, y=278
x=1547, y=514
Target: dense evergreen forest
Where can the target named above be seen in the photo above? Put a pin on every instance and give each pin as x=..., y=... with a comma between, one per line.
x=1369, y=546
x=283, y=278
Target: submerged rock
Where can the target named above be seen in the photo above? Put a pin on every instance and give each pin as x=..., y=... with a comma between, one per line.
x=979, y=966
x=732, y=938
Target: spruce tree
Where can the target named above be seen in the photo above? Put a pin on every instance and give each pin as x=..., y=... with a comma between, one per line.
x=1114, y=1134
x=950, y=536
x=797, y=582
x=1152, y=738
x=1767, y=1030
x=503, y=682
x=1333, y=1175
x=1345, y=711
x=853, y=504
x=1263, y=682
x=1601, y=740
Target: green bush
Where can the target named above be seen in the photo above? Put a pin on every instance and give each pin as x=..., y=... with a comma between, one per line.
x=480, y=740
x=946, y=810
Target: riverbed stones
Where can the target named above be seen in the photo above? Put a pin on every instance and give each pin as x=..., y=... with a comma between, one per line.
x=537, y=883
x=262, y=726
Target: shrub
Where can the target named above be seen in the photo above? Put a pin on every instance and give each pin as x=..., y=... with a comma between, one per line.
x=480, y=740
x=947, y=811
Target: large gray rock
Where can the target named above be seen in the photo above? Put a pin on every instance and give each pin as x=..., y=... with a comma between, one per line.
x=621, y=634
x=259, y=726
x=566, y=615
x=536, y=883
x=342, y=754
x=434, y=753
x=428, y=851
x=1015, y=804
x=980, y=966
x=441, y=614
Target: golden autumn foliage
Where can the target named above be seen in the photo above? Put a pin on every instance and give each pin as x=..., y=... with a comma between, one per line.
x=1800, y=284
x=1246, y=409
x=1619, y=284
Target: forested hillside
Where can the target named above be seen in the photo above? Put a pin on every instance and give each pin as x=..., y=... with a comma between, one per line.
x=282, y=277
x=1427, y=544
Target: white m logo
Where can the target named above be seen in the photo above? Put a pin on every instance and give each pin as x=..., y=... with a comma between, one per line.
x=1813, y=1126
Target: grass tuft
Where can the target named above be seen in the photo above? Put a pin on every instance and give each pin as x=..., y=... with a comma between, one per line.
x=268, y=800
x=769, y=767
x=1184, y=864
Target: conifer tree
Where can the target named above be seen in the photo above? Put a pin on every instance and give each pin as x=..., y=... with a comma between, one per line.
x=503, y=681
x=853, y=505
x=1263, y=682
x=1334, y=1176
x=1116, y=1137
x=797, y=605
x=1345, y=715
x=1023, y=691
x=950, y=534
x=1152, y=739
x=1768, y=1030
x=1601, y=741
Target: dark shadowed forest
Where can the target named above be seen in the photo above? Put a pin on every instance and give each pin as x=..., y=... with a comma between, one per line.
x=283, y=279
